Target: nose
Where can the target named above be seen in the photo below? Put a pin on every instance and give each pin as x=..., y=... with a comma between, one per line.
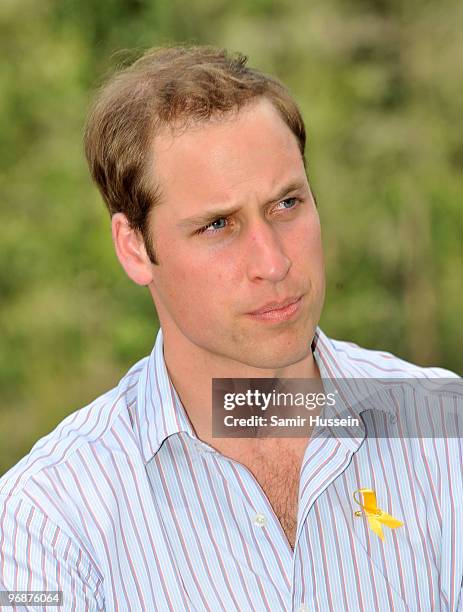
x=267, y=259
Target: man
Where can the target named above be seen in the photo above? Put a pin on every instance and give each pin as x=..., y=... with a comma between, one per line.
x=132, y=503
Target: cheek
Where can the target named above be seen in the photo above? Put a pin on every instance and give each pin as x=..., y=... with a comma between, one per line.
x=304, y=244
x=196, y=284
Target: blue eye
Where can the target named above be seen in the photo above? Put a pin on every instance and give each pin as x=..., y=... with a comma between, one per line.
x=218, y=223
x=215, y=226
x=289, y=202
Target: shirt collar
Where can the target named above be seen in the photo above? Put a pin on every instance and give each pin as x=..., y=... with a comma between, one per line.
x=355, y=392
x=159, y=408
x=338, y=365
x=160, y=412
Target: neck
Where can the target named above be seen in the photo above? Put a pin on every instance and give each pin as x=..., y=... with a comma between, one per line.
x=191, y=370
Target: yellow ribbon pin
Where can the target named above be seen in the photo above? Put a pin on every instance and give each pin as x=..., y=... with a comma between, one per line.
x=375, y=515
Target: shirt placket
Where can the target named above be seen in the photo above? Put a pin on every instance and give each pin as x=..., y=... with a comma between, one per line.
x=271, y=549
x=324, y=460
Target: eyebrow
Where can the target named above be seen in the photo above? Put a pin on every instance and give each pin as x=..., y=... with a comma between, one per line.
x=209, y=216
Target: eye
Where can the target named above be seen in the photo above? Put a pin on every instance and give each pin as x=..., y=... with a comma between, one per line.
x=288, y=203
x=215, y=226
x=218, y=223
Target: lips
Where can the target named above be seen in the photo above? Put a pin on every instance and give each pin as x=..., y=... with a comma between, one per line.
x=275, y=306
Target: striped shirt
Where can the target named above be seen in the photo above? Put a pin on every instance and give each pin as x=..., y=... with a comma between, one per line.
x=122, y=507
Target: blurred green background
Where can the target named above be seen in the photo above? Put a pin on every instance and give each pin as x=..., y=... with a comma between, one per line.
x=379, y=83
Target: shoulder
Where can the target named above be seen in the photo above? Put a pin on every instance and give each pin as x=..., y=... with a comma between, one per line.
x=88, y=427
x=380, y=364
x=61, y=497
x=52, y=492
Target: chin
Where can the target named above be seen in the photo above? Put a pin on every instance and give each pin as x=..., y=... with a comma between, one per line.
x=263, y=358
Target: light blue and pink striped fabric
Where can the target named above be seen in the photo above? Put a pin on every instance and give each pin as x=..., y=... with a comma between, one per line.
x=122, y=508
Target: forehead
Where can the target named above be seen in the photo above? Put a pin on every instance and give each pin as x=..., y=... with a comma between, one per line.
x=252, y=149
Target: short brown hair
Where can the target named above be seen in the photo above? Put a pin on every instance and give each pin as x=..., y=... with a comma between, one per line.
x=167, y=86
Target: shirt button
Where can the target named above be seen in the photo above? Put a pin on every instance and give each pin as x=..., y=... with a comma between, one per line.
x=260, y=520
x=303, y=608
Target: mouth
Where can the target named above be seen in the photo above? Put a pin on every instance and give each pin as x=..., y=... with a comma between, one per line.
x=278, y=311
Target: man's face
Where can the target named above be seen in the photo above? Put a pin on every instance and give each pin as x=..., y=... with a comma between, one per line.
x=237, y=237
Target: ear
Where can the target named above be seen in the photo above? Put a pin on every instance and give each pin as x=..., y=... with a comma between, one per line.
x=130, y=250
